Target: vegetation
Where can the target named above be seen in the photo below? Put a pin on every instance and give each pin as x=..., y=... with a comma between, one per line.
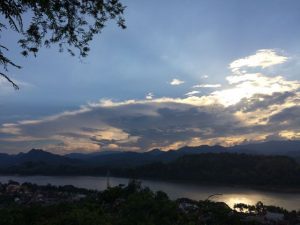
x=225, y=168
x=134, y=204
x=67, y=23
x=215, y=168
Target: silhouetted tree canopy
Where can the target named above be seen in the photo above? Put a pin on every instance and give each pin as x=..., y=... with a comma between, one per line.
x=71, y=24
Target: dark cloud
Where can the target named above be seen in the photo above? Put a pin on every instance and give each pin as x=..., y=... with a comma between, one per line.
x=260, y=101
x=144, y=125
x=288, y=117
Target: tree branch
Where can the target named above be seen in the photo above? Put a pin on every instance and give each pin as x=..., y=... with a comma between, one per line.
x=10, y=81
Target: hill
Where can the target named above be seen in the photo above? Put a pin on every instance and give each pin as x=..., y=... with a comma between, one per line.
x=262, y=163
x=227, y=168
x=289, y=148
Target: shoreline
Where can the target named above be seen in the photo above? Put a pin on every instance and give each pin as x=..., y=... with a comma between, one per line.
x=263, y=188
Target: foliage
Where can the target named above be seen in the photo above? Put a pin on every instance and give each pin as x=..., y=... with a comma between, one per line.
x=68, y=23
x=129, y=205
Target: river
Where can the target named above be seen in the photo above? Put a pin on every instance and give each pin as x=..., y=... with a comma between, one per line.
x=230, y=195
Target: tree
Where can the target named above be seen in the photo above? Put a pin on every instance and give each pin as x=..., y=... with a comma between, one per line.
x=71, y=24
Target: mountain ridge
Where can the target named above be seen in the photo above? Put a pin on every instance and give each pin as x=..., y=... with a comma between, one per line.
x=132, y=159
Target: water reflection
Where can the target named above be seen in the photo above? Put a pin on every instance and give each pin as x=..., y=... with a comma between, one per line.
x=230, y=195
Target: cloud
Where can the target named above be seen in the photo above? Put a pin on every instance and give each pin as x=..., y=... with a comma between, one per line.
x=149, y=96
x=252, y=107
x=263, y=58
x=143, y=125
x=176, y=82
x=192, y=93
x=287, y=117
x=9, y=129
x=207, y=86
x=204, y=76
x=248, y=85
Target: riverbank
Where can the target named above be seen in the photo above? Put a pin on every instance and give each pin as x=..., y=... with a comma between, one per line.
x=266, y=188
x=130, y=204
x=230, y=194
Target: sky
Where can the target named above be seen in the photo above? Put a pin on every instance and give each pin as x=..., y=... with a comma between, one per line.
x=182, y=73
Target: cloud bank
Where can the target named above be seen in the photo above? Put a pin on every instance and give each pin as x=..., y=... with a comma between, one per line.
x=250, y=107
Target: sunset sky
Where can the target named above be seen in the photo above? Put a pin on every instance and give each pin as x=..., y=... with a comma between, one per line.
x=182, y=73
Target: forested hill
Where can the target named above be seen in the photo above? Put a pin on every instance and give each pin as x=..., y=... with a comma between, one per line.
x=207, y=164
x=215, y=168
x=28, y=162
x=223, y=168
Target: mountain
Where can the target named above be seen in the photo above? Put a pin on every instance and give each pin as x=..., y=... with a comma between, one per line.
x=90, y=155
x=39, y=161
x=3, y=156
x=40, y=155
x=289, y=148
x=226, y=168
x=35, y=157
x=132, y=159
x=202, y=149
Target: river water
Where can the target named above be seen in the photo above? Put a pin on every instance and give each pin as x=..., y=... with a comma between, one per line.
x=229, y=195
